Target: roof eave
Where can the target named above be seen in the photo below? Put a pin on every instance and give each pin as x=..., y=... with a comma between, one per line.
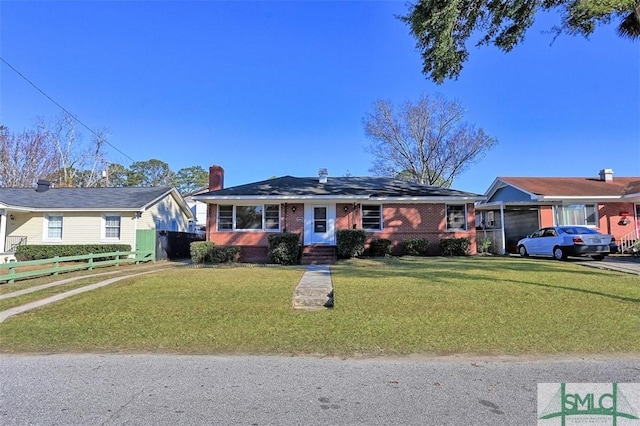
x=578, y=197
x=338, y=198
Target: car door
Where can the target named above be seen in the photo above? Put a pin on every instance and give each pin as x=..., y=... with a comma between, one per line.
x=534, y=242
x=548, y=241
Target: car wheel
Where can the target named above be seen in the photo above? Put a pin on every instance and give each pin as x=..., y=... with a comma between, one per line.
x=597, y=257
x=523, y=251
x=559, y=254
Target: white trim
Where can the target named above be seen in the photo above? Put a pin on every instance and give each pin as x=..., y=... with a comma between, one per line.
x=3, y=229
x=103, y=229
x=498, y=183
x=330, y=234
x=233, y=217
x=381, y=217
x=466, y=219
x=339, y=198
x=45, y=228
x=425, y=200
x=584, y=205
x=503, y=249
x=592, y=198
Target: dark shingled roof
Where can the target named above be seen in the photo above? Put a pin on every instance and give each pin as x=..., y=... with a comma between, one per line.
x=82, y=198
x=289, y=186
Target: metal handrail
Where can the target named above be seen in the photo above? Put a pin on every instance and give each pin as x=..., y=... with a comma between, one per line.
x=12, y=242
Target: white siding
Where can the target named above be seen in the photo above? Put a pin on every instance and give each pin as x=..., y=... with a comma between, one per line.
x=163, y=216
x=77, y=228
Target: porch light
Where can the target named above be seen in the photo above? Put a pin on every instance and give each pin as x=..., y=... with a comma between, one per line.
x=11, y=217
x=346, y=209
x=293, y=209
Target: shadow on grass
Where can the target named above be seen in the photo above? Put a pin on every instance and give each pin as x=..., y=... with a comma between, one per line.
x=448, y=270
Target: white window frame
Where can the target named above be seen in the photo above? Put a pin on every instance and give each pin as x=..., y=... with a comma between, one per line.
x=45, y=227
x=557, y=214
x=465, y=225
x=263, y=227
x=380, y=217
x=103, y=228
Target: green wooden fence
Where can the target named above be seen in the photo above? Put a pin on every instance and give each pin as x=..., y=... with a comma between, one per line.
x=90, y=262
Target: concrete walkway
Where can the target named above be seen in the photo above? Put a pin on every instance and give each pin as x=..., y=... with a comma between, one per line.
x=315, y=289
x=38, y=303
x=616, y=263
x=54, y=284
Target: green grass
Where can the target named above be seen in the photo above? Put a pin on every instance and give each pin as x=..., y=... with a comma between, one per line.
x=479, y=305
x=78, y=279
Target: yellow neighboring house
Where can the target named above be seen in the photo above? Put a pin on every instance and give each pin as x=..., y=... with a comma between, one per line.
x=48, y=215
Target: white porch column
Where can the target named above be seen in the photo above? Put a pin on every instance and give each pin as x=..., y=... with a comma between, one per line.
x=503, y=238
x=3, y=229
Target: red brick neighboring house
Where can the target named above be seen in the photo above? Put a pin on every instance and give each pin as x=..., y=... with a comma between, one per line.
x=315, y=207
x=516, y=206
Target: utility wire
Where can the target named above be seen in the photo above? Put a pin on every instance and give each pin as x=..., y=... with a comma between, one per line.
x=63, y=108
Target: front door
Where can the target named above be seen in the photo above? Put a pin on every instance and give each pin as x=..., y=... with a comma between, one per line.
x=319, y=224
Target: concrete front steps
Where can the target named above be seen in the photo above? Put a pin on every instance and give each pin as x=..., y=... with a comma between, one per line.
x=315, y=289
x=319, y=254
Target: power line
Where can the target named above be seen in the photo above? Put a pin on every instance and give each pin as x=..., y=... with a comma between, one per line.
x=63, y=108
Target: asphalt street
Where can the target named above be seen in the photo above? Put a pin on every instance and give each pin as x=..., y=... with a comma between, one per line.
x=277, y=390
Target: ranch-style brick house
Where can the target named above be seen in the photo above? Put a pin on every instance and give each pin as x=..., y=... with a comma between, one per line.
x=517, y=206
x=315, y=207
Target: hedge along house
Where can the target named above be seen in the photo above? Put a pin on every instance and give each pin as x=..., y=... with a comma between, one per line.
x=517, y=206
x=49, y=215
x=315, y=207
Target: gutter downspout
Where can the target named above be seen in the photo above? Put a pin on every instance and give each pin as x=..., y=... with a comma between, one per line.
x=503, y=249
x=3, y=229
x=135, y=230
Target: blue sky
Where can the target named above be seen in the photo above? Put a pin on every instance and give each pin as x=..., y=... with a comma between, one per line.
x=280, y=88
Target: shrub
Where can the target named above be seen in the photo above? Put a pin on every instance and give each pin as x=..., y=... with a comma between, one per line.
x=201, y=251
x=284, y=248
x=225, y=254
x=416, y=246
x=380, y=247
x=36, y=252
x=485, y=245
x=209, y=252
x=455, y=246
x=350, y=242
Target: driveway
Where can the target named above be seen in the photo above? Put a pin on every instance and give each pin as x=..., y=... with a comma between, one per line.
x=275, y=390
x=625, y=264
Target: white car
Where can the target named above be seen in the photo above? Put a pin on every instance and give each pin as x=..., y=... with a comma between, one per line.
x=563, y=241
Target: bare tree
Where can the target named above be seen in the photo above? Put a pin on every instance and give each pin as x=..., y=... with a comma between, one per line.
x=25, y=157
x=79, y=164
x=426, y=141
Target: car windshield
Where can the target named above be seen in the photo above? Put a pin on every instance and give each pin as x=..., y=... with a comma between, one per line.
x=577, y=230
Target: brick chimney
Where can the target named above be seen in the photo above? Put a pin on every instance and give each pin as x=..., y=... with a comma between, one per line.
x=606, y=175
x=216, y=178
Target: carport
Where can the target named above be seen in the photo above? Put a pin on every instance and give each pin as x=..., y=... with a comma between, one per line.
x=505, y=224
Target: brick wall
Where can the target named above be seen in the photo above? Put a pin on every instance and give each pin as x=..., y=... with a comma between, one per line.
x=546, y=216
x=610, y=219
x=400, y=222
x=404, y=221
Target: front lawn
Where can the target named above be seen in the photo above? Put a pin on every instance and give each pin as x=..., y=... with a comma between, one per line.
x=479, y=305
